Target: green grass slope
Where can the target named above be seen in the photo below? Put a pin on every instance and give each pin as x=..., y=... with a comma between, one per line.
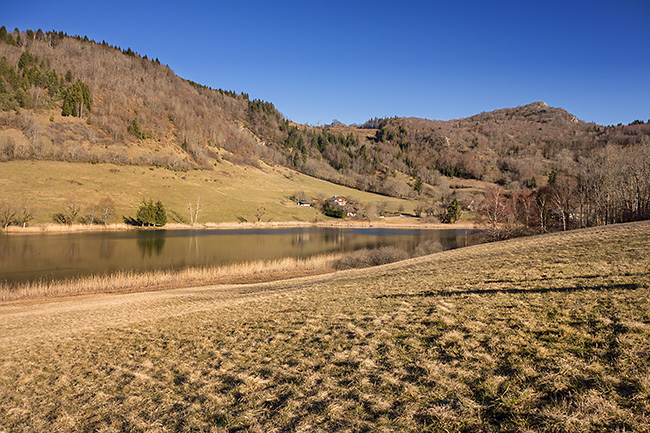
x=229, y=193
x=548, y=334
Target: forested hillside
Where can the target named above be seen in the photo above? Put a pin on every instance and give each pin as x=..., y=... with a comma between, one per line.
x=74, y=99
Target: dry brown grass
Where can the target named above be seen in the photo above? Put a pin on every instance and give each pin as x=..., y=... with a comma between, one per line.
x=229, y=193
x=548, y=334
x=132, y=281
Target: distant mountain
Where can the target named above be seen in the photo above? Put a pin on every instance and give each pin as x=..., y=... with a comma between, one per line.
x=70, y=98
x=537, y=112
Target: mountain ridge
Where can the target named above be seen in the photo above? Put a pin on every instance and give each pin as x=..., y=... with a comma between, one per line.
x=139, y=112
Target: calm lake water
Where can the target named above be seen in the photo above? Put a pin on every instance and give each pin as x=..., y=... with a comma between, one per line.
x=62, y=255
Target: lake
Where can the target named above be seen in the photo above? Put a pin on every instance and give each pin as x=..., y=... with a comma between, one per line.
x=32, y=257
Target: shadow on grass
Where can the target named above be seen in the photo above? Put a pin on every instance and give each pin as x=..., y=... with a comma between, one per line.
x=430, y=293
x=577, y=277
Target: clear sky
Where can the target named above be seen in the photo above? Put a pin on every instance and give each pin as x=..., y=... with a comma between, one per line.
x=355, y=60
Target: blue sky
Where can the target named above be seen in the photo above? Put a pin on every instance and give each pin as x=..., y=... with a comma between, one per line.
x=354, y=60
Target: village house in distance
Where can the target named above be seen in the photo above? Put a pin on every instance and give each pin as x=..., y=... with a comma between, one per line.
x=338, y=206
x=305, y=203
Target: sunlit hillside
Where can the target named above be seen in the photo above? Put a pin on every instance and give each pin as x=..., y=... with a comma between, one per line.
x=72, y=99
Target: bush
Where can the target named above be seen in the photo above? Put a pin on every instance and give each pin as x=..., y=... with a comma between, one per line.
x=333, y=211
x=366, y=258
x=149, y=214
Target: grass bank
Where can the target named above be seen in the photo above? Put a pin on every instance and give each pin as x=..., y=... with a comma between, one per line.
x=548, y=333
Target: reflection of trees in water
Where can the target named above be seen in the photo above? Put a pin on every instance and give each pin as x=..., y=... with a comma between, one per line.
x=300, y=239
x=149, y=246
x=28, y=251
x=334, y=238
x=74, y=252
x=193, y=241
x=9, y=250
x=106, y=248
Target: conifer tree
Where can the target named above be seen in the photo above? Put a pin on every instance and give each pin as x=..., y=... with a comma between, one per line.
x=67, y=108
x=150, y=214
x=145, y=215
x=160, y=215
x=76, y=98
x=25, y=59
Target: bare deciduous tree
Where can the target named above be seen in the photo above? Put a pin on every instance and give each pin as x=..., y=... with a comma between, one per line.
x=259, y=213
x=496, y=211
x=25, y=214
x=106, y=210
x=194, y=211
x=7, y=213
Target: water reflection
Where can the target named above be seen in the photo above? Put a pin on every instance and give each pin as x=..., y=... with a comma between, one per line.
x=151, y=245
x=53, y=256
x=106, y=249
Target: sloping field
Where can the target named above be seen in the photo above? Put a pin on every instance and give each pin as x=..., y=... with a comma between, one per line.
x=548, y=333
x=229, y=193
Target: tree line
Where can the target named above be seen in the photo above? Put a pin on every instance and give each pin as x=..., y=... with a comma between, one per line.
x=103, y=212
x=611, y=187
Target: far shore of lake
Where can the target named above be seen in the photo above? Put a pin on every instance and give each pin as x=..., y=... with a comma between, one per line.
x=397, y=222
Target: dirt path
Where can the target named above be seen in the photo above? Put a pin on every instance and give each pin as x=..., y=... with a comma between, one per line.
x=26, y=323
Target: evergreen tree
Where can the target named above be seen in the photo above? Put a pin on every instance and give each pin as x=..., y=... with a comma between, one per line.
x=75, y=99
x=134, y=128
x=4, y=66
x=417, y=185
x=150, y=214
x=20, y=96
x=145, y=215
x=451, y=213
x=67, y=108
x=52, y=83
x=160, y=215
x=25, y=59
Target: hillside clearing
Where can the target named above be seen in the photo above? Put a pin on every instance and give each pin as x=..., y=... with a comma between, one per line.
x=548, y=333
x=229, y=193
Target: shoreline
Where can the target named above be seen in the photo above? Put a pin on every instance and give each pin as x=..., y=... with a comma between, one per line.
x=403, y=222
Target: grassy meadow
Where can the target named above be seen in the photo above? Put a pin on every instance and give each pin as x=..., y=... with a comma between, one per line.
x=542, y=334
x=229, y=193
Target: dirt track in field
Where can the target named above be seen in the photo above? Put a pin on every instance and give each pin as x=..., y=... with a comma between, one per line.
x=26, y=323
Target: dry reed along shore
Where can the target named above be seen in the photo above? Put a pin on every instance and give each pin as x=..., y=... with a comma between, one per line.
x=549, y=333
x=131, y=281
